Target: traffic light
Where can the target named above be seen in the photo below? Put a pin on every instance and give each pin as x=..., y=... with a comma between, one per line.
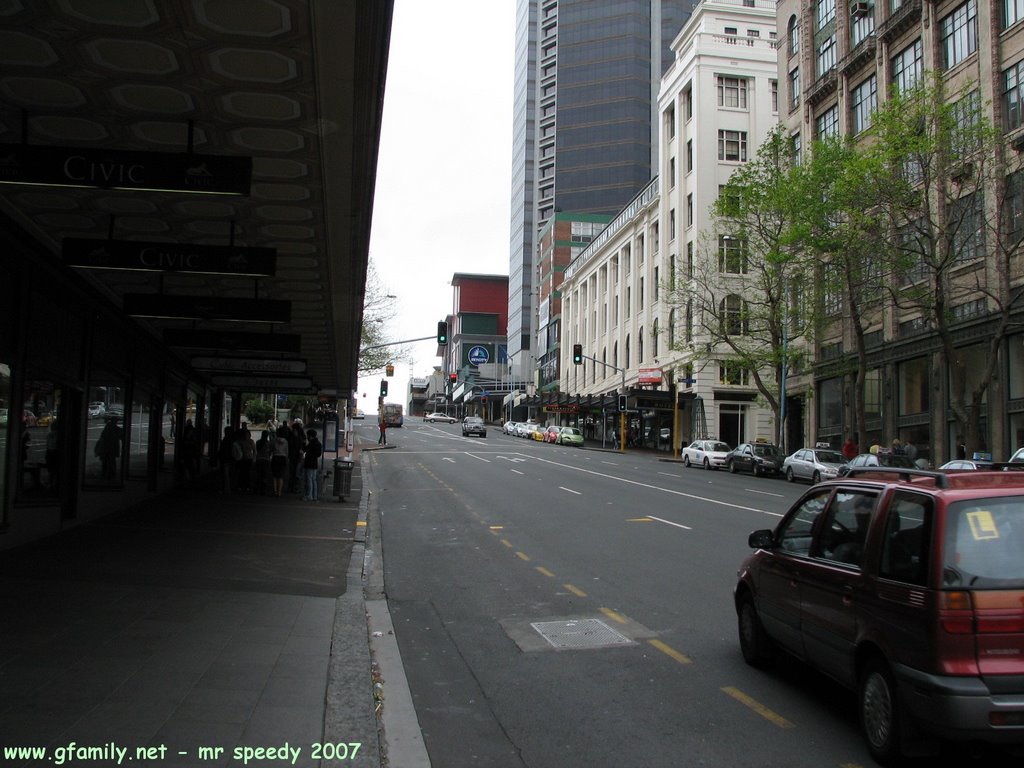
x=442, y=333
x=389, y=370
x=622, y=403
x=577, y=354
x=383, y=388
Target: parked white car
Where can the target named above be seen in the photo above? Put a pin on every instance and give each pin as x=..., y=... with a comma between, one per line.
x=709, y=454
x=509, y=428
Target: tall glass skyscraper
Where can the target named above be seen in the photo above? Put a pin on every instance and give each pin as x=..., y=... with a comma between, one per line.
x=585, y=135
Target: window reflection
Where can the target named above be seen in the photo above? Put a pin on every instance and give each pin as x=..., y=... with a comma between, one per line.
x=105, y=436
x=138, y=437
x=41, y=437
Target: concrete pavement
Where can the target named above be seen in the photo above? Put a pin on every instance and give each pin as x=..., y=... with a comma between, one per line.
x=202, y=629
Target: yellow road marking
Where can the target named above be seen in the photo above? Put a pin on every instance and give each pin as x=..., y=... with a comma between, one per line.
x=639, y=520
x=360, y=524
x=507, y=543
x=613, y=615
x=523, y=556
x=575, y=590
x=762, y=710
x=497, y=527
x=671, y=652
x=545, y=571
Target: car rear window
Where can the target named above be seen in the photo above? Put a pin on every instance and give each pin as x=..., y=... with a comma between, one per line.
x=830, y=457
x=766, y=450
x=985, y=544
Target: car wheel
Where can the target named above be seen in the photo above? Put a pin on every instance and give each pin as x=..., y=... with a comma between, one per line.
x=757, y=471
x=816, y=477
x=732, y=467
x=707, y=463
x=789, y=474
x=880, y=712
x=755, y=644
x=686, y=461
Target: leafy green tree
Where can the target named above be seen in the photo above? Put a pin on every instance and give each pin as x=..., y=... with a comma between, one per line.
x=935, y=165
x=258, y=411
x=744, y=297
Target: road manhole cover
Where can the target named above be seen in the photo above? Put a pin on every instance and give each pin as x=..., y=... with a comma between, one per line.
x=580, y=633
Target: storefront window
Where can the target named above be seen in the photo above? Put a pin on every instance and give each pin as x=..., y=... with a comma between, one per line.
x=42, y=439
x=873, y=394
x=105, y=436
x=5, y=421
x=165, y=453
x=830, y=406
x=138, y=437
x=1016, y=366
x=913, y=384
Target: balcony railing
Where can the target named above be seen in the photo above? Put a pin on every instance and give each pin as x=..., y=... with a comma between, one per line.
x=859, y=56
x=822, y=87
x=900, y=20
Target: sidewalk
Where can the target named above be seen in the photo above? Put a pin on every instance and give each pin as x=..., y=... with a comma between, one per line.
x=196, y=629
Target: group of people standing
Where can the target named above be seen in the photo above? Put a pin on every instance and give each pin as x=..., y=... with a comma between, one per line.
x=283, y=459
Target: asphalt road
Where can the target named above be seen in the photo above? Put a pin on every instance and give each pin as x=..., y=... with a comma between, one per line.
x=498, y=550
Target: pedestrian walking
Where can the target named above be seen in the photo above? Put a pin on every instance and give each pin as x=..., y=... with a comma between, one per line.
x=244, y=453
x=279, y=459
x=311, y=464
x=264, y=450
x=383, y=439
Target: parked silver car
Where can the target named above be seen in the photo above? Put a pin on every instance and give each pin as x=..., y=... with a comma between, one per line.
x=814, y=464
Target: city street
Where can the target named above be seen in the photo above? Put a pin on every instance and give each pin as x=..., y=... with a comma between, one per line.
x=496, y=550
x=487, y=542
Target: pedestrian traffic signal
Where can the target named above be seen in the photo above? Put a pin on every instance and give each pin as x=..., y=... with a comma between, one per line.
x=383, y=388
x=622, y=403
x=577, y=354
x=442, y=333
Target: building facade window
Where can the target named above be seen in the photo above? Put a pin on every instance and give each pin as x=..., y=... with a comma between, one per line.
x=774, y=85
x=732, y=255
x=1013, y=96
x=732, y=92
x=827, y=123
x=826, y=58
x=689, y=155
x=908, y=67
x=958, y=34
x=863, y=102
x=1013, y=11
x=794, y=35
x=794, y=89
x=797, y=148
x=689, y=210
x=732, y=146
x=862, y=25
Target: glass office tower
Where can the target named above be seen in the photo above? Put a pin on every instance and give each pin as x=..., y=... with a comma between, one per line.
x=585, y=136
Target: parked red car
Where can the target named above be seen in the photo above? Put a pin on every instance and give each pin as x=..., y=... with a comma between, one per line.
x=907, y=586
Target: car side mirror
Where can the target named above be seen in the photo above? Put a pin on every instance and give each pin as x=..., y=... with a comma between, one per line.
x=763, y=539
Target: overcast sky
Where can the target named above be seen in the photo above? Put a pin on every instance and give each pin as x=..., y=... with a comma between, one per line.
x=442, y=202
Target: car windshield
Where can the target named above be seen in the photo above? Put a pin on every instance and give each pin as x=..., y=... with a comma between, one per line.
x=985, y=544
x=830, y=457
x=766, y=450
x=717, y=447
x=571, y=431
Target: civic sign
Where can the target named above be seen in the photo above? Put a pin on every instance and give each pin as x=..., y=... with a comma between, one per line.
x=206, y=308
x=478, y=355
x=249, y=365
x=90, y=253
x=234, y=341
x=265, y=383
x=120, y=169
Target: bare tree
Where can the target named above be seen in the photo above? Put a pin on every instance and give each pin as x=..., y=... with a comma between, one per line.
x=379, y=309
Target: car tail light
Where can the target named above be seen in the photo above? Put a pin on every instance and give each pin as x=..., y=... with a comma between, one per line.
x=999, y=611
x=1006, y=718
x=956, y=613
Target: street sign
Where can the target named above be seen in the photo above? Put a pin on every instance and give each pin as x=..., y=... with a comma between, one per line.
x=479, y=355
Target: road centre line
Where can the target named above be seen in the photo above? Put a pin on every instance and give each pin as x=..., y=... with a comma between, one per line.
x=517, y=471
x=648, y=485
x=671, y=652
x=523, y=556
x=478, y=458
x=669, y=522
x=763, y=711
x=569, y=490
x=575, y=590
x=614, y=615
x=541, y=569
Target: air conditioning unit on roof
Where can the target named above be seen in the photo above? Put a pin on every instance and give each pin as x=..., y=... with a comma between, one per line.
x=859, y=8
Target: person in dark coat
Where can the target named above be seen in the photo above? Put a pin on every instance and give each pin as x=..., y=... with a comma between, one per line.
x=311, y=465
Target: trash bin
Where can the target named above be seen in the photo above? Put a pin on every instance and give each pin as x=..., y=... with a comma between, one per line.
x=342, y=478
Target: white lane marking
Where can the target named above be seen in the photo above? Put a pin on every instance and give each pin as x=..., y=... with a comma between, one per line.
x=479, y=458
x=652, y=487
x=669, y=522
x=669, y=474
x=612, y=463
x=763, y=493
x=518, y=472
x=449, y=458
x=570, y=490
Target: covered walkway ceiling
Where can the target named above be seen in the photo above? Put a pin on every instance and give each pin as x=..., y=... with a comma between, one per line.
x=296, y=85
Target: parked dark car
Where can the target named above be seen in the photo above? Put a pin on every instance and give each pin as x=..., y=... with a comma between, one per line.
x=759, y=458
x=908, y=589
x=880, y=459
